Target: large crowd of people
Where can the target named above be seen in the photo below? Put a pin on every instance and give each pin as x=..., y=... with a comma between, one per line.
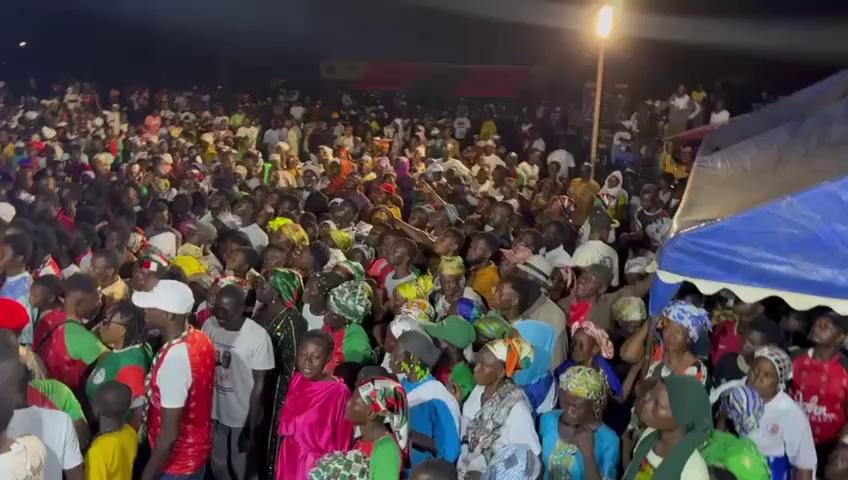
x=363, y=287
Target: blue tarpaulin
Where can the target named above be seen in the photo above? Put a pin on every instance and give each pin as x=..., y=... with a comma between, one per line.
x=768, y=215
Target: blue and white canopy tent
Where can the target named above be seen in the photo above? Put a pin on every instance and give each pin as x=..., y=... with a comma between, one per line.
x=765, y=212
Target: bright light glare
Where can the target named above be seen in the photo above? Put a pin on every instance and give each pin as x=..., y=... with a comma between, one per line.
x=22, y=44
x=603, y=23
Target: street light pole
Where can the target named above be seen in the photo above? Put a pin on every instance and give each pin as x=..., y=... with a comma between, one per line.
x=603, y=29
x=596, y=114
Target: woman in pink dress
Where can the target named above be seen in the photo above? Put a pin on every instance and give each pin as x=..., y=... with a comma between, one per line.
x=312, y=423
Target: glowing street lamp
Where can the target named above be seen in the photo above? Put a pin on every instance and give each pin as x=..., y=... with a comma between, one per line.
x=603, y=22
x=603, y=29
x=22, y=44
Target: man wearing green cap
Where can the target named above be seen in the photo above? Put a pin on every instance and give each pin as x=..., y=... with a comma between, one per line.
x=589, y=301
x=454, y=334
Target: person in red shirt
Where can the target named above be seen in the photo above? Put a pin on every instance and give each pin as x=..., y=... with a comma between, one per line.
x=727, y=335
x=820, y=380
x=179, y=388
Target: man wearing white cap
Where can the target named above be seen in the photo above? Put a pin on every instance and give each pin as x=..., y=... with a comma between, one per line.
x=180, y=386
x=538, y=270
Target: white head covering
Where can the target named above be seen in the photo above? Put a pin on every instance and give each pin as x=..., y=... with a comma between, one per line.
x=618, y=191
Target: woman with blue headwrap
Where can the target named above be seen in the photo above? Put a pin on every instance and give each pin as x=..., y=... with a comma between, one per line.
x=738, y=455
x=681, y=324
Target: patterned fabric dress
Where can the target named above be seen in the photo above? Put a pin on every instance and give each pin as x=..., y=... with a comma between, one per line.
x=286, y=330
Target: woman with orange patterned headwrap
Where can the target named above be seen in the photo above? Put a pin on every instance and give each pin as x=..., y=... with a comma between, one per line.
x=497, y=412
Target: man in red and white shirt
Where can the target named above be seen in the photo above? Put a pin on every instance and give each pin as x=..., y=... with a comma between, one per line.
x=179, y=387
x=820, y=379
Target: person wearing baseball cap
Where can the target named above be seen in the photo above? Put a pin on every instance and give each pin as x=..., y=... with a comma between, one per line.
x=454, y=334
x=13, y=316
x=589, y=301
x=182, y=379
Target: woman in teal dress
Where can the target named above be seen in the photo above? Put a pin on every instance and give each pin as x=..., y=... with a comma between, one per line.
x=576, y=445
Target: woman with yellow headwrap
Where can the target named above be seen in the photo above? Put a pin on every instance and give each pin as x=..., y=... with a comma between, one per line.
x=418, y=289
x=583, y=393
x=497, y=412
x=452, y=286
x=286, y=233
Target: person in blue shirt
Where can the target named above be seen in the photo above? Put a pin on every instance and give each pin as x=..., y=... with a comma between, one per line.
x=433, y=412
x=576, y=445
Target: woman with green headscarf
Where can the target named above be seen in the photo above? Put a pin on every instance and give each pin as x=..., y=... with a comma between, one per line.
x=679, y=419
x=280, y=296
x=490, y=327
x=348, y=305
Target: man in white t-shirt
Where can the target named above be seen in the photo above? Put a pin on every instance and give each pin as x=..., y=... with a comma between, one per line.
x=719, y=115
x=461, y=125
x=54, y=428
x=562, y=157
x=243, y=355
x=297, y=110
x=246, y=209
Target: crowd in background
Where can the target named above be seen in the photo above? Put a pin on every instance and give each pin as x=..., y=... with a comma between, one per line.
x=361, y=287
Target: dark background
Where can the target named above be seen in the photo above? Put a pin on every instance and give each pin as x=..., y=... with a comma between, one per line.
x=245, y=43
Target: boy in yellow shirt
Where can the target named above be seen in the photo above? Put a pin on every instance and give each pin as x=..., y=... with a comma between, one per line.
x=113, y=451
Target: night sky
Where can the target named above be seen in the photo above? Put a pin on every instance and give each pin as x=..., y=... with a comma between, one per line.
x=246, y=42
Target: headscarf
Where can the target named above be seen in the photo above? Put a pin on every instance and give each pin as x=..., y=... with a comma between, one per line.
x=600, y=337
x=690, y=407
x=293, y=231
x=405, y=323
x=289, y=284
x=744, y=406
x=695, y=319
x=615, y=192
x=469, y=309
x=190, y=265
x=452, y=266
x=516, y=353
x=387, y=399
x=513, y=462
x=782, y=363
x=494, y=327
x=629, y=310
x=352, y=269
x=417, y=289
x=227, y=280
x=589, y=383
x=367, y=251
x=418, y=309
x=351, y=300
x=336, y=257
x=154, y=262
x=638, y=265
x=342, y=239
x=350, y=465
